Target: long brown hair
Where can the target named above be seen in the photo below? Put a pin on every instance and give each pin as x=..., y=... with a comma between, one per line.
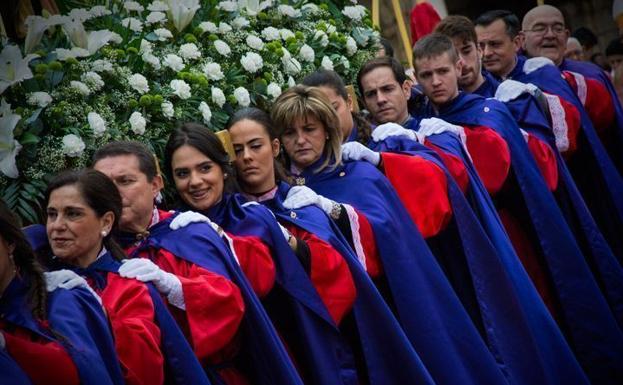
x=25, y=260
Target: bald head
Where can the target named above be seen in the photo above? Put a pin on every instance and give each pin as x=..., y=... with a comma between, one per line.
x=545, y=33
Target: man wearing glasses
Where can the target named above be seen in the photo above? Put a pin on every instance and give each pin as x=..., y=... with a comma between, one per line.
x=546, y=35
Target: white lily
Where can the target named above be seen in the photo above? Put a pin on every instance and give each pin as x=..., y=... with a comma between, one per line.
x=76, y=33
x=37, y=26
x=9, y=147
x=13, y=67
x=253, y=7
x=98, y=39
x=181, y=12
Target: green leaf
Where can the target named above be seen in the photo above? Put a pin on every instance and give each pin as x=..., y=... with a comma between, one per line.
x=29, y=138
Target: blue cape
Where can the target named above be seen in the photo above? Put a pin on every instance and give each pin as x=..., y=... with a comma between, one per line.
x=591, y=329
x=78, y=317
x=328, y=355
x=427, y=307
x=269, y=360
x=10, y=372
x=389, y=356
x=594, y=172
x=602, y=261
x=592, y=71
x=181, y=364
x=519, y=328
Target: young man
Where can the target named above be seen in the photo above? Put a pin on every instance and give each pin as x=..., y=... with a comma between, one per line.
x=437, y=70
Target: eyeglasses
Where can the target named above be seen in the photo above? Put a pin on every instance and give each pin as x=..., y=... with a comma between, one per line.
x=541, y=29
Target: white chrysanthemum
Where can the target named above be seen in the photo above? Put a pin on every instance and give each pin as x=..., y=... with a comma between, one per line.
x=240, y=22
x=79, y=14
x=152, y=60
x=327, y=63
x=208, y=26
x=174, y=62
x=73, y=146
x=163, y=34
x=242, y=96
x=213, y=71
x=98, y=11
x=322, y=38
x=133, y=24
x=40, y=99
x=93, y=80
x=167, y=109
x=206, y=113
x=80, y=87
x=139, y=83
x=254, y=42
x=133, y=6
x=306, y=53
x=156, y=17
x=224, y=28
x=330, y=29
x=345, y=62
x=189, y=51
x=222, y=47
x=137, y=123
x=271, y=33
x=146, y=47
x=351, y=46
x=290, y=65
x=97, y=123
x=101, y=65
x=289, y=11
x=158, y=6
x=310, y=9
x=252, y=62
x=291, y=81
x=180, y=88
x=355, y=12
x=285, y=33
x=228, y=6
x=273, y=90
x=218, y=97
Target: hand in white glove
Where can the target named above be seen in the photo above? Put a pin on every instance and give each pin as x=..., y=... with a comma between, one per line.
x=511, y=89
x=301, y=196
x=187, y=217
x=145, y=270
x=357, y=151
x=386, y=130
x=67, y=279
x=433, y=126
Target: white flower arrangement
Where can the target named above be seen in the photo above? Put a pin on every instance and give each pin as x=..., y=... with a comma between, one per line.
x=102, y=73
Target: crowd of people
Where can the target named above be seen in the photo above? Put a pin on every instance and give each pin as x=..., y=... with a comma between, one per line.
x=464, y=229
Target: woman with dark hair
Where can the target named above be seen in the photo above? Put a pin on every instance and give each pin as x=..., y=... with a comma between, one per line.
x=314, y=291
x=83, y=208
x=59, y=337
x=307, y=124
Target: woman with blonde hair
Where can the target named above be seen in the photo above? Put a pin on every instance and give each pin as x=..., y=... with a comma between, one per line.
x=309, y=129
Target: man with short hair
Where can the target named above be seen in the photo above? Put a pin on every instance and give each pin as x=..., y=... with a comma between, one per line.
x=437, y=71
x=595, y=174
x=499, y=39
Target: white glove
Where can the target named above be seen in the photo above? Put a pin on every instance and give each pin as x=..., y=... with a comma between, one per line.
x=511, y=89
x=67, y=279
x=145, y=270
x=187, y=217
x=357, y=151
x=301, y=196
x=386, y=130
x=434, y=126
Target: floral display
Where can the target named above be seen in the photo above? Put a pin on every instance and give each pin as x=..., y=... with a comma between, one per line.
x=136, y=69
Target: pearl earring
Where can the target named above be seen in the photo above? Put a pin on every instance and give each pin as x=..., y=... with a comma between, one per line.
x=104, y=233
x=225, y=175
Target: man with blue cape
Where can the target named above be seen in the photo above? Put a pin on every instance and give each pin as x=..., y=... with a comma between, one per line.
x=526, y=105
x=592, y=169
x=576, y=292
x=594, y=87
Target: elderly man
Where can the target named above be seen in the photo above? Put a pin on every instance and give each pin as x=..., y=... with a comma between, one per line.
x=546, y=35
x=574, y=50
